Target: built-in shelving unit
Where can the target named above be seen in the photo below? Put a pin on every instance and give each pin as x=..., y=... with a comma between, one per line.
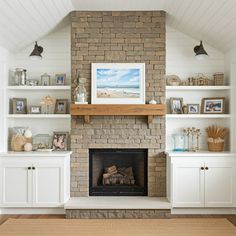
x=38, y=123
x=193, y=95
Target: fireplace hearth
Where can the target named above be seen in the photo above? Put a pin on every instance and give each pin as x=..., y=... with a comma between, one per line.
x=118, y=172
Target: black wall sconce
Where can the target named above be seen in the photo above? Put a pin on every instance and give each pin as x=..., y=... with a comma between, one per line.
x=36, y=53
x=200, y=52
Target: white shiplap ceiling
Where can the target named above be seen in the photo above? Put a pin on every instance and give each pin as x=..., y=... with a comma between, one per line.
x=213, y=21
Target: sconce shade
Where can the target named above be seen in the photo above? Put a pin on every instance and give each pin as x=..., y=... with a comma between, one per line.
x=36, y=53
x=200, y=52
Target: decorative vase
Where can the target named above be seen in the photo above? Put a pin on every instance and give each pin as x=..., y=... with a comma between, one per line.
x=80, y=93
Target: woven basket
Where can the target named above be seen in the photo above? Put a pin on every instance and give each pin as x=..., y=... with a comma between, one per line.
x=216, y=147
x=218, y=78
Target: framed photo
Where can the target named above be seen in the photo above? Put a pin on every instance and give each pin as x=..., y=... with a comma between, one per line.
x=19, y=105
x=176, y=105
x=35, y=110
x=45, y=79
x=213, y=105
x=60, y=79
x=60, y=141
x=118, y=83
x=193, y=109
x=61, y=106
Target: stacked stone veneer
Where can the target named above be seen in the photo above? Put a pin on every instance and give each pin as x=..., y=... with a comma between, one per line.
x=119, y=37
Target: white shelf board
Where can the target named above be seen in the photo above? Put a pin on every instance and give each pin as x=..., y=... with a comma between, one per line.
x=39, y=116
x=198, y=116
x=201, y=153
x=63, y=87
x=35, y=154
x=179, y=88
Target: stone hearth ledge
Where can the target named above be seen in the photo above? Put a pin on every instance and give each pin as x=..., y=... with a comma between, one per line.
x=116, y=203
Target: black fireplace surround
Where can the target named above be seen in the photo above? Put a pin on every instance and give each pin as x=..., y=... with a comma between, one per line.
x=118, y=172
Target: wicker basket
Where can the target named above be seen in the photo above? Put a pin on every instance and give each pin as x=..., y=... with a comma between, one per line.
x=216, y=147
x=218, y=79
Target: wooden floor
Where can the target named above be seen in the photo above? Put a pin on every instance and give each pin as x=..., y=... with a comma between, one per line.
x=3, y=218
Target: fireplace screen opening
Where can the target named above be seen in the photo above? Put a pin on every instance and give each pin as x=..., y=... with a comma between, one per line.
x=118, y=172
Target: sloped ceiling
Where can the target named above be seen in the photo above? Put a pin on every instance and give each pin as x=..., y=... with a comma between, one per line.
x=213, y=21
x=24, y=21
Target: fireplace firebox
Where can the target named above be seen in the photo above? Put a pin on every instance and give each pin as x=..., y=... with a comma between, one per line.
x=118, y=172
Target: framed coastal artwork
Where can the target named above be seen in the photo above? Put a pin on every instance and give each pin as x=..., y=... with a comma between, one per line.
x=118, y=83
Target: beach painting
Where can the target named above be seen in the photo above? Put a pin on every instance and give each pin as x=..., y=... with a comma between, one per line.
x=118, y=83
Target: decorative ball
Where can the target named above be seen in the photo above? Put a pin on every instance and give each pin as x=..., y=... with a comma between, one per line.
x=28, y=147
x=28, y=133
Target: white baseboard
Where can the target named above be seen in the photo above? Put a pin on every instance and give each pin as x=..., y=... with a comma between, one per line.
x=204, y=211
x=32, y=211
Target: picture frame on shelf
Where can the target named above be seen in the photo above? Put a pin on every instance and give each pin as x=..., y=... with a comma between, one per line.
x=61, y=106
x=214, y=105
x=60, y=141
x=35, y=110
x=19, y=105
x=193, y=108
x=45, y=79
x=176, y=104
x=60, y=79
x=118, y=83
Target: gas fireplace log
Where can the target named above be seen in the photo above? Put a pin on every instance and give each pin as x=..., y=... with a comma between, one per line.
x=120, y=176
x=111, y=169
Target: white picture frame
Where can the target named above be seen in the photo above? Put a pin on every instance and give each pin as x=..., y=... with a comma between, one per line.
x=118, y=83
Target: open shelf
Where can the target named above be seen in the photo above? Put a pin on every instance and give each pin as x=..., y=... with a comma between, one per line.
x=198, y=116
x=88, y=110
x=179, y=88
x=39, y=116
x=62, y=87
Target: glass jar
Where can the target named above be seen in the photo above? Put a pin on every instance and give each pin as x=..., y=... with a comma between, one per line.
x=20, y=76
x=80, y=94
x=179, y=143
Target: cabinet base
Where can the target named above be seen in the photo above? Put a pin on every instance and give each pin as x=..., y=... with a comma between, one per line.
x=32, y=211
x=203, y=211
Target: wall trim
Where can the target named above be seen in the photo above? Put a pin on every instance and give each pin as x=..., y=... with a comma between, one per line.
x=32, y=211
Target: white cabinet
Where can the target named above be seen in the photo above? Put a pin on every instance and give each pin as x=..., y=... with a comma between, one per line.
x=220, y=184
x=16, y=184
x=188, y=185
x=202, y=181
x=35, y=181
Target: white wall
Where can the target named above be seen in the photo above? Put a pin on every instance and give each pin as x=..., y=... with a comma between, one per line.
x=230, y=68
x=180, y=60
x=56, y=60
x=5, y=61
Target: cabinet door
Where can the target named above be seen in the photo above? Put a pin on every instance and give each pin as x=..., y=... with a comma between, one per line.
x=16, y=185
x=220, y=184
x=188, y=184
x=47, y=181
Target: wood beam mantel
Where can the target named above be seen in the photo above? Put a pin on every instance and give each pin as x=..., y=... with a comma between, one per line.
x=88, y=110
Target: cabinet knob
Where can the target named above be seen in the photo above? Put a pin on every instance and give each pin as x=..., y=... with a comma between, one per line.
x=206, y=168
x=202, y=168
x=29, y=168
x=33, y=168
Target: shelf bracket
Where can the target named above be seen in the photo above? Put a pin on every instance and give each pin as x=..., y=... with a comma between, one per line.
x=150, y=119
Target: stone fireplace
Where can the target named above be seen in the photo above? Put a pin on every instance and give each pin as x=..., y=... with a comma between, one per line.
x=119, y=37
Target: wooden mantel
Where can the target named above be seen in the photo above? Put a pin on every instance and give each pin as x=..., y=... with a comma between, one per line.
x=88, y=110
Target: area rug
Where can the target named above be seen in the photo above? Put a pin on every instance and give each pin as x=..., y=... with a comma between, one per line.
x=122, y=227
